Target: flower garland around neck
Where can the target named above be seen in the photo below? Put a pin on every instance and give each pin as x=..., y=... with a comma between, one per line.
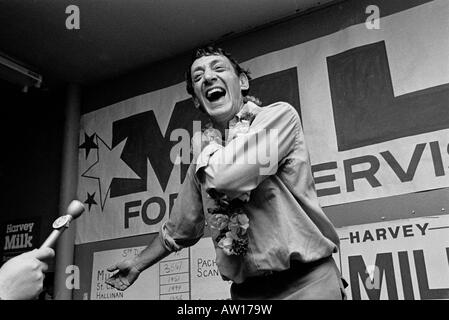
x=228, y=216
x=230, y=219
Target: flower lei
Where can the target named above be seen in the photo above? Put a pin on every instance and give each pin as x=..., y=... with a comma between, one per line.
x=228, y=216
x=230, y=219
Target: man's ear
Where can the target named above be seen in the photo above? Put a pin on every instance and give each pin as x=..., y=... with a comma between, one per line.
x=244, y=82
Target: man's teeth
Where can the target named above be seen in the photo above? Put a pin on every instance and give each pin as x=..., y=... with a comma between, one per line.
x=215, y=91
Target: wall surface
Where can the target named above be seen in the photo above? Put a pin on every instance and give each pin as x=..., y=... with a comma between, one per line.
x=30, y=167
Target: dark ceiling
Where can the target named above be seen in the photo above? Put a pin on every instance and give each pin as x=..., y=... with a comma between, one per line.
x=118, y=36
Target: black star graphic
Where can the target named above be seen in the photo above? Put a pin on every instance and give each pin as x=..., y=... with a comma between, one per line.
x=88, y=143
x=90, y=200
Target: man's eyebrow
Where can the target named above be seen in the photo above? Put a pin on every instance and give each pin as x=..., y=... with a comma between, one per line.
x=215, y=61
x=211, y=63
x=198, y=68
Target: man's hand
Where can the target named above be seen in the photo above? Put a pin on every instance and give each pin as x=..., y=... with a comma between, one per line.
x=126, y=275
x=201, y=139
x=22, y=277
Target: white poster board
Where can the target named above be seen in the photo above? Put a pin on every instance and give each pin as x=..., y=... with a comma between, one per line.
x=206, y=280
x=190, y=274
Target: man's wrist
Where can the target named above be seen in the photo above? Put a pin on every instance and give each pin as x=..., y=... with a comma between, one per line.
x=138, y=265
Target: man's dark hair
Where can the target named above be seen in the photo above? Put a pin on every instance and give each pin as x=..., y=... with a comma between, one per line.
x=212, y=51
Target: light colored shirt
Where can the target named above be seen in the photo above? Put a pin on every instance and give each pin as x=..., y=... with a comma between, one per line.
x=285, y=219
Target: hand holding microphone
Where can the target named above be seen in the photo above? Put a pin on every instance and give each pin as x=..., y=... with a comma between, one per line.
x=22, y=277
x=74, y=210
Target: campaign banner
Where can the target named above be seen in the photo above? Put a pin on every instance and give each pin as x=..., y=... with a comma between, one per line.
x=402, y=259
x=373, y=104
x=18, y=236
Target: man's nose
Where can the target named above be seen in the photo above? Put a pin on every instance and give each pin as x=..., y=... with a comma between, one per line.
x=209, y=75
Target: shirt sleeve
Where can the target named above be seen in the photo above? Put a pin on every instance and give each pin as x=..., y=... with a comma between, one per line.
x=185, y=225
x=249, y=158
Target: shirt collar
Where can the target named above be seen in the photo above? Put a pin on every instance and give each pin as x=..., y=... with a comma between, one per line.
x=250, y=107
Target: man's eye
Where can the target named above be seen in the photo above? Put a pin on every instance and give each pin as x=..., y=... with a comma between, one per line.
x=220, y=68
x=197, y=77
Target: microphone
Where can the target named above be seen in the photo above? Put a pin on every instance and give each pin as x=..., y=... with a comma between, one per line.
x=74, y=210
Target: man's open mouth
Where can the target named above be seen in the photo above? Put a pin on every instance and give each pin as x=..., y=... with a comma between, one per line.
x=215, y=94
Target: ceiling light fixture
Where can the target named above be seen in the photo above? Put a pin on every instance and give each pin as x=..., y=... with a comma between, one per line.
x=16, y=73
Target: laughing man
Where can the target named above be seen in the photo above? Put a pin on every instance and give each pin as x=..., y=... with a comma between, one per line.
x=271, y=237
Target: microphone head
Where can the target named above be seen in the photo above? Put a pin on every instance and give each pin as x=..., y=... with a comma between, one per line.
x=75, y=209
